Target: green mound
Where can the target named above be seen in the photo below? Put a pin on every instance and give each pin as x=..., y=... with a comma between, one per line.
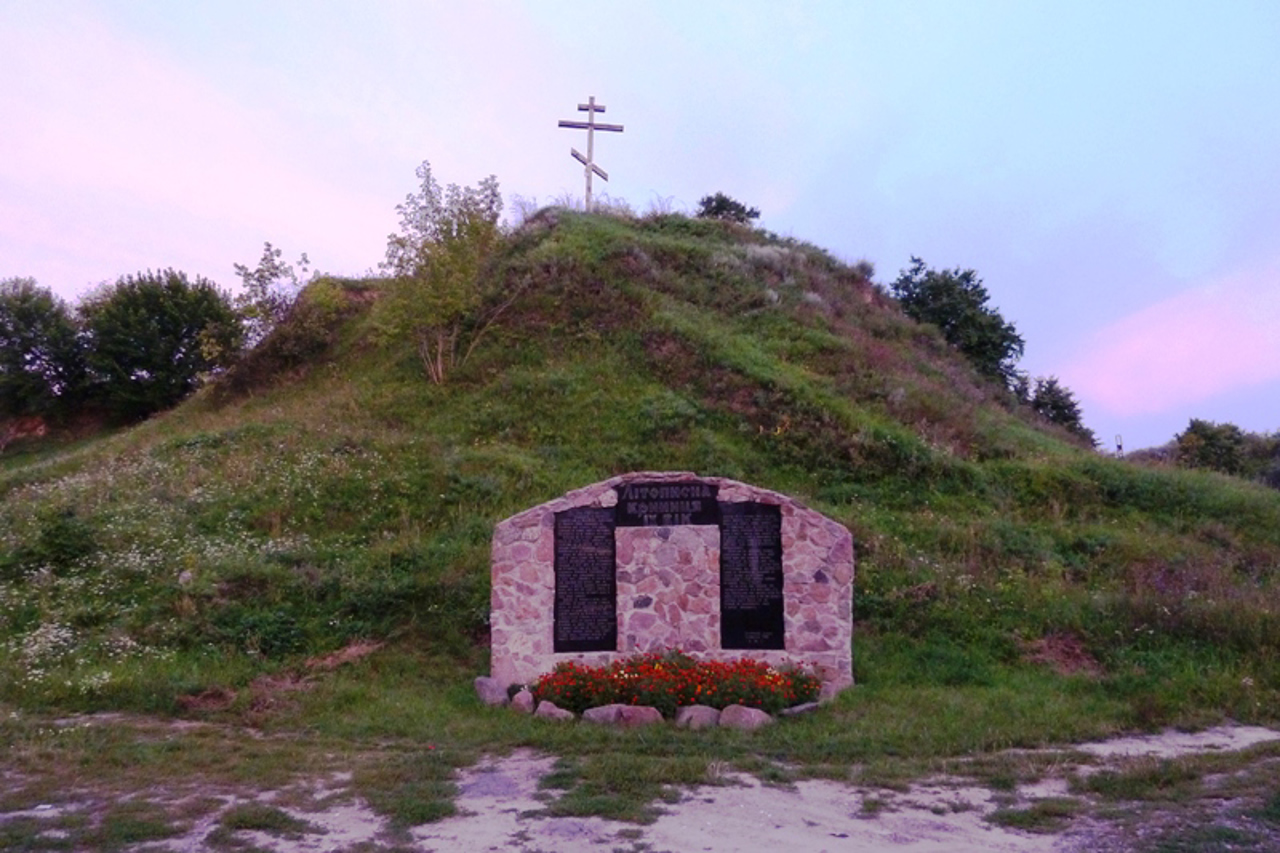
x=325, y=492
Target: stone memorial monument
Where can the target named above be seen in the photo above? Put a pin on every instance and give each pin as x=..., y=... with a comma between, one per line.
x=650, y=561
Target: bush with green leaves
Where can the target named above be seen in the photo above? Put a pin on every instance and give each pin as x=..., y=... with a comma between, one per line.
x=956, y=302
x=152, y=337
x=41, y=358
x=723, y=207
x=439, y=263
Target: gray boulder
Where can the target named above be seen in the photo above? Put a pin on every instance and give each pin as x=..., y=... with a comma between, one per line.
x=639, y=715
x=552, y=711
x=491, y=691
x=623, y=716
x=744, y=718
x=605, y=715
x=523, y=702
x=697, y=717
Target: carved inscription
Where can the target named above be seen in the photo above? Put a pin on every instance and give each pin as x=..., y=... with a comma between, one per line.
x=751, y=605
x=586, y=616
x=667, y=504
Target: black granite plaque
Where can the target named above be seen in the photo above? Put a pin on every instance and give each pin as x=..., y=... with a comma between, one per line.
x=667, y=504
x=586, y=608
x=751, y=606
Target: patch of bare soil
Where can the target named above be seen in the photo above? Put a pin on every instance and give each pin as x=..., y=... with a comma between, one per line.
x=265, y=693
x=1063, y=653
x=1172, y=744
x=353, y=652
x=266, y=690
x=206, y=701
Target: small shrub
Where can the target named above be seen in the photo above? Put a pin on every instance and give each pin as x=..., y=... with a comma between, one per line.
x=271, y=633
x=256, y=817
x=721, y=206
x=62, y=539
x=1047, y=815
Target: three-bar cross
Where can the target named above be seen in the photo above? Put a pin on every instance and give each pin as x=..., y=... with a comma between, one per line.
x=590, y=126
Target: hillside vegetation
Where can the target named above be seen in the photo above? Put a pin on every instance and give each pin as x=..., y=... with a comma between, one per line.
x=325, y=492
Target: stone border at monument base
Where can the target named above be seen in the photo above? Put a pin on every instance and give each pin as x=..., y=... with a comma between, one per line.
x=787, y=595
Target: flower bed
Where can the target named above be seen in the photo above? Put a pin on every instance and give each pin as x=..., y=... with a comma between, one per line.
x=668, y=680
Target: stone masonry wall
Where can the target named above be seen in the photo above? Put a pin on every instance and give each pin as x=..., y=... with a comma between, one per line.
x=668, y=586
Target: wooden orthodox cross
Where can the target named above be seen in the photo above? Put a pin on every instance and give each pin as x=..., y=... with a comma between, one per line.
x=590, y=126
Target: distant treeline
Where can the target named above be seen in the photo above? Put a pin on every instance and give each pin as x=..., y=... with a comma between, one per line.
x=1228, y=449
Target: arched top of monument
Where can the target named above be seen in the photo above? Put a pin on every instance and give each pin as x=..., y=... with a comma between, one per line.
x=666, y=490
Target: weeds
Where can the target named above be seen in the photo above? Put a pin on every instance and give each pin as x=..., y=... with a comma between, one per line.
x=1145, y=779
x=258, y=817
x=625, y=787
x=1048, y=815
x=410, y=788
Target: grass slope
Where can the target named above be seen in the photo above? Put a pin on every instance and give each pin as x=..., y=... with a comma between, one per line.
x=344, y=498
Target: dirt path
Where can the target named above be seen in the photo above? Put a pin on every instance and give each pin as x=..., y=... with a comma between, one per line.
x=502, y=809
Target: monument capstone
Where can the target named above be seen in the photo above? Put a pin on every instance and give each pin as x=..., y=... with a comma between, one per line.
x=650, y=561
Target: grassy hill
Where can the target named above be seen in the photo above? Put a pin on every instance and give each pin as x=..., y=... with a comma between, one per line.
x=1013, y=587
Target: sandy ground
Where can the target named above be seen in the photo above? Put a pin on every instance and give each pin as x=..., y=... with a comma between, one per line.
x=740, y=817
x=814, y=816
x=1171, y=744
x=500, y=812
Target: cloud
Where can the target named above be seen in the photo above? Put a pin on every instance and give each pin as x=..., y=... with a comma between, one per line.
x=1185, y=349
x=147, y=163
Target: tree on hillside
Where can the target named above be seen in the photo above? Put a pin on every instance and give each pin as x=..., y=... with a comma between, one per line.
x=270, y=290
x=152, y=336
x=41, y=360
x=441, y=290
x=956, y=302
x=723, y=207
x=1054, y=401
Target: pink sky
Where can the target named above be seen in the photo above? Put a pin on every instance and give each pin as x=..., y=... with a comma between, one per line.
x=1193, y=346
